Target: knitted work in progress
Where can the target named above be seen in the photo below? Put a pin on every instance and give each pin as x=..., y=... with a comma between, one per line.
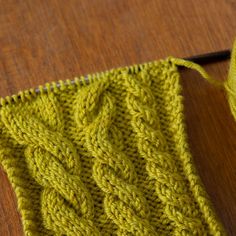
x=106, y=154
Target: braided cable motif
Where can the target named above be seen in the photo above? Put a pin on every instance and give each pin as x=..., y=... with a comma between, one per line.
x=170, y=184
x=113, y=171
x=52, y=160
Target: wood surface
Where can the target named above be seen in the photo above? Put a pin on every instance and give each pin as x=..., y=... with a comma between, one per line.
x=48, y=40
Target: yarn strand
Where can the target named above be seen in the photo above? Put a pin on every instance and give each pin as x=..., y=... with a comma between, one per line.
x=229, y=84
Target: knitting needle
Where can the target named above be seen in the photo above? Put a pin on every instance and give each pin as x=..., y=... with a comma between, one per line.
x=210, y=57
x=200, y=59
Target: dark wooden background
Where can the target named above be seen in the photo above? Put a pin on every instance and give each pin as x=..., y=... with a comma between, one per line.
x=48, y=40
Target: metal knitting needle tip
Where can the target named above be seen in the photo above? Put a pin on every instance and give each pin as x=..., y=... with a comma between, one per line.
x=210, y=57
x=200, y=59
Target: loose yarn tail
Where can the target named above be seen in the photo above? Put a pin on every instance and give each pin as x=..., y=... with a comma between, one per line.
x=228, y=85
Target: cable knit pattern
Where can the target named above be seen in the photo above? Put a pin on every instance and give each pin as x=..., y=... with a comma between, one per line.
x=112, y=170
x=105, y=155
x=54, y=164
x=170, y=185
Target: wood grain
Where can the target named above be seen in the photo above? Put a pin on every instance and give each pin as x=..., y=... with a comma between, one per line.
x=43, y=41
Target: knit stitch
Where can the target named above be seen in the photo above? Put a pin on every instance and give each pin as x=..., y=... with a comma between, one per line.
x=106, y=154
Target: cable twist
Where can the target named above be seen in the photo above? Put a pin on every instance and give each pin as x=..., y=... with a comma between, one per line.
x=113, y=171
x=161, y=166
x=67, y=206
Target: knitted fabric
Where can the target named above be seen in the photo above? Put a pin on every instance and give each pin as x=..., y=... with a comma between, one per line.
x=105, y=154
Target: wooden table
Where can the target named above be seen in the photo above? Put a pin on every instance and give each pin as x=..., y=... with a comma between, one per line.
x=43, y=41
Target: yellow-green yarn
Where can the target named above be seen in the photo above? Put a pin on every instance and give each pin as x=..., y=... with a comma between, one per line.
x=230, y=83
x=108, y=154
